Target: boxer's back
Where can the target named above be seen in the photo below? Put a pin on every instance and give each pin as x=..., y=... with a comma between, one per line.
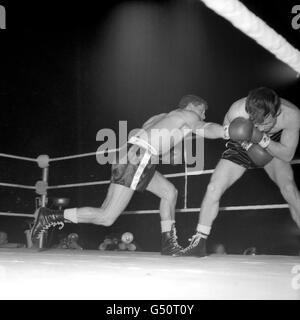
x=166, y=130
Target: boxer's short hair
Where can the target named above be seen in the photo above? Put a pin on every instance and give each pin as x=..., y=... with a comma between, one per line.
x=261, y=102
x=190, y=98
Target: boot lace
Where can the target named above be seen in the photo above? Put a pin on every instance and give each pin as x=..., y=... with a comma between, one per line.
x=47, y=226
x=194, y=241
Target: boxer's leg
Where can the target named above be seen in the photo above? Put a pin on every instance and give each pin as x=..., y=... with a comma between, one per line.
x=282, y=174
x=119, y=197
x=108, y=197
x=167, y=193
x=225, y=174
x=115, y=203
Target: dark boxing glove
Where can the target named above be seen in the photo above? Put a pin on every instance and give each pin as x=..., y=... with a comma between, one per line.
x=260, y=138
x=239, y=129
x=257, y=154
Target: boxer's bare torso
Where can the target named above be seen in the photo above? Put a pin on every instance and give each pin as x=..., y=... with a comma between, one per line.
x=163, y=131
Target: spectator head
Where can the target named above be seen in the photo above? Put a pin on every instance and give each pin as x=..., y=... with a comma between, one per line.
x=3, y=237
x=219, y=248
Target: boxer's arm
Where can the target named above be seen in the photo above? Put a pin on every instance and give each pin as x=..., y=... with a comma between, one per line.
x=208, y=130
x=286, y=148
x=205, y=129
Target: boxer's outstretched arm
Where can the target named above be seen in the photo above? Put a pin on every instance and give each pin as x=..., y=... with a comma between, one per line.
x=209, y=130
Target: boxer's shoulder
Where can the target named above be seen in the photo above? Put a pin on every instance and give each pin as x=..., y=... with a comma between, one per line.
x=239, y=104
x=186, y=115
x=156, y=118
x=237, y=109
x=289, y=117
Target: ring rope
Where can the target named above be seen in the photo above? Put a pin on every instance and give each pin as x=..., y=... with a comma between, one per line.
x=10, y=156
x=12, y=185
x=89, y=154
x=254, y=27
x=297, y=161
x=24, y=215
x=229, y=208
x=185, y=174
x=85, y=184
x=171, y=175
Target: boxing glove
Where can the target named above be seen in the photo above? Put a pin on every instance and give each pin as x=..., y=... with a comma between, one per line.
x=257, y=154
x=239, y=129
x=260, y=138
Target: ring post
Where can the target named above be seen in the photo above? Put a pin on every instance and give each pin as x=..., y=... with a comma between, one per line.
x=41, y=188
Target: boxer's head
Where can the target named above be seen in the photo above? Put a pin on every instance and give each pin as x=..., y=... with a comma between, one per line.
x=263, y=107
x=194, y=103
x=3, y=237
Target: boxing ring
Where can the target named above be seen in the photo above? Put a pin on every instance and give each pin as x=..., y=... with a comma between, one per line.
x=57, y=274
x=93, y=274
x=64, y=274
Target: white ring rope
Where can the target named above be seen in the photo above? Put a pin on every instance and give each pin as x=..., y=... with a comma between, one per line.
x=185, y=174
x=12, y=185
x=89, y=154
x=10, y=156
x=172, y=175
x=232, y=208
x=85, y=184
x=255, y=28
x=229, y=208
x=74, y=185
x=12, y=214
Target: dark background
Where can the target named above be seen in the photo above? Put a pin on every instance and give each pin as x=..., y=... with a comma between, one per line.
x=67, y=71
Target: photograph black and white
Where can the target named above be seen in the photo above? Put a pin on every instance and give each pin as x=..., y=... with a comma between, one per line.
x=149, y=151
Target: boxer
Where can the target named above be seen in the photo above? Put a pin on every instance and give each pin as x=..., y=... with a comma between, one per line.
x=262, y=131
x=138, y=173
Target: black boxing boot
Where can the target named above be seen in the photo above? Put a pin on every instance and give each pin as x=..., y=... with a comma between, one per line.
x=197, y=247
x=46, y=219
x=169, y=244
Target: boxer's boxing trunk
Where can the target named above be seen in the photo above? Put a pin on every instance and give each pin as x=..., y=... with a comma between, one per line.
x=235, y=153
x=135, y=175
